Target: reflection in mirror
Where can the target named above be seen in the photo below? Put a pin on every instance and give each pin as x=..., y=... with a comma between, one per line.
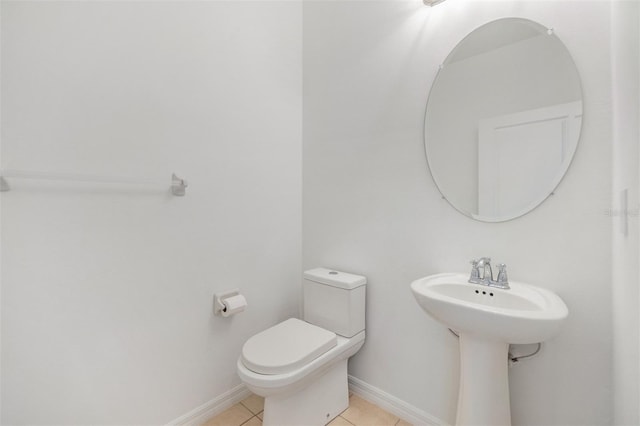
x=503, y=119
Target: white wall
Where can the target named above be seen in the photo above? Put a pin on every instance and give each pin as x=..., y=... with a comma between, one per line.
x=370, y=206
x=625, y=86
x=107, y=290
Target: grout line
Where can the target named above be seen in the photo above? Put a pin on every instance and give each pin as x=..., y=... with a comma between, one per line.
x=249, y=419
x=250, y=410
x=247, y=408
x=347, y=420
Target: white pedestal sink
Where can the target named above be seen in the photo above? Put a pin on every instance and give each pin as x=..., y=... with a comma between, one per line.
x=488, y=319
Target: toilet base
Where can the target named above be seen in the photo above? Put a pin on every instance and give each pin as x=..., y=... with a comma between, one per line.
x=314, y=405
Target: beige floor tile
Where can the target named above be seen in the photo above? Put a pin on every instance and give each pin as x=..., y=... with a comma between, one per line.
x=403, y=423
x=254, y=403
x=339, y=421
x=260, y=414
x=361, y=413
x=254, y=421
x=233, y=416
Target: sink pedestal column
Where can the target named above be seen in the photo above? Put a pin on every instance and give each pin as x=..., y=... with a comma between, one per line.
x=483, y=398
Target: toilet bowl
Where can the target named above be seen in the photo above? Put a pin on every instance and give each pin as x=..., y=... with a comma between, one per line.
x=298, y=377
x=300, y=367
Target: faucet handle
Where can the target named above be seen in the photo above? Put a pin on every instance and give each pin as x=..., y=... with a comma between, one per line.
x=475, y=273
x=502, y=274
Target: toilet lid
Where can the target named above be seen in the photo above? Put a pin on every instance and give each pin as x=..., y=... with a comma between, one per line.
x=286, y=347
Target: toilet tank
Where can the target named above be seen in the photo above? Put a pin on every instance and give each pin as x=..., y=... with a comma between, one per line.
x=334, y=300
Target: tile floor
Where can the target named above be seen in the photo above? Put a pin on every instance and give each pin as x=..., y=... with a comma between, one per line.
x=360, y=413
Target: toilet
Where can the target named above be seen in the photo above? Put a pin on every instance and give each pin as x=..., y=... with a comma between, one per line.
x=300, y=367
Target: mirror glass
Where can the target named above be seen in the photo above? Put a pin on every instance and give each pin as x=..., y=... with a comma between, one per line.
x=503, y=119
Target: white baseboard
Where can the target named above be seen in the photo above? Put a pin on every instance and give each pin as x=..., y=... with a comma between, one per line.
x=212, y=408
x=372, y=394
x=392, y=404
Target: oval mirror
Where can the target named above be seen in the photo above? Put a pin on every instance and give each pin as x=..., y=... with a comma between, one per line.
x=503, y=119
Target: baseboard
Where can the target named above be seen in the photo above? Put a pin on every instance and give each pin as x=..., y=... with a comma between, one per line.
x=372, y=394
x=392, y=404
x=211, y=408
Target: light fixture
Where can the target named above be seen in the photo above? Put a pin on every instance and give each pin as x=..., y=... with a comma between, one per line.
x=432, y=2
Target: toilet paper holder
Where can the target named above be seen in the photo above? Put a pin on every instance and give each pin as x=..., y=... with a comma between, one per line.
x=218, y=306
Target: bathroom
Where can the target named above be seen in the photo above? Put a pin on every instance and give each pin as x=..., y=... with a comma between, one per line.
x=298, y=126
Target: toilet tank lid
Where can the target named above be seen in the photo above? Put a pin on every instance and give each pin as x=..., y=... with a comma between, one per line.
x=335, y=278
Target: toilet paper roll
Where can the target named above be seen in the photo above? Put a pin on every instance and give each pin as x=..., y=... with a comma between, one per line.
x=233, y=305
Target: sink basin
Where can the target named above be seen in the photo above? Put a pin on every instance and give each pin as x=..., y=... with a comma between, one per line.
x=522, y=314
x=488, y=319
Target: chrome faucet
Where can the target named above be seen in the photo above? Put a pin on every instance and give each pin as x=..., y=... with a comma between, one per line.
x=481, y=273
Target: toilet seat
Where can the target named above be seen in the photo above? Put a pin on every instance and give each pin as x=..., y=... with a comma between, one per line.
x=266, y=384
x=286, y=347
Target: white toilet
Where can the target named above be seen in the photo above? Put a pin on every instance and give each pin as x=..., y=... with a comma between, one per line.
x=300, y=367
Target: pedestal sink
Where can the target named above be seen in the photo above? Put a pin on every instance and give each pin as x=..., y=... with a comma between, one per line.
x=488, y=319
